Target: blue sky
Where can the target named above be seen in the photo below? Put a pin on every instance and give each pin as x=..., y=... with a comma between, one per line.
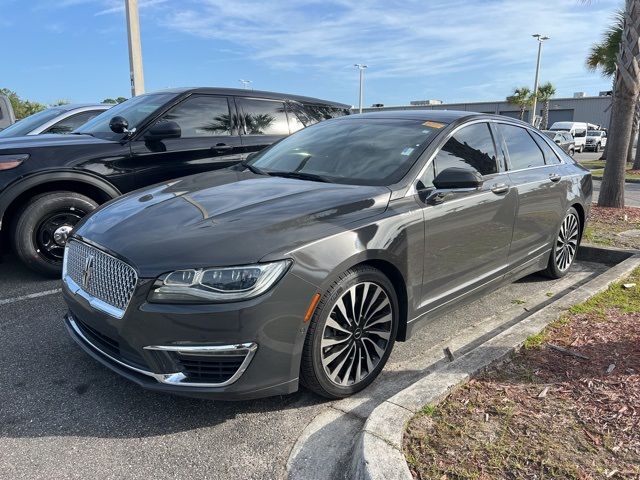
x=416, y=49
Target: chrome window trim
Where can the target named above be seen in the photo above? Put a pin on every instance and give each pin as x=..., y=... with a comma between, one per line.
x=177, y=378
x=62, y=116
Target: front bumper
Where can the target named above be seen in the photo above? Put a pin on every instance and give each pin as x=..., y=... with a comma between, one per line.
x=228, y=351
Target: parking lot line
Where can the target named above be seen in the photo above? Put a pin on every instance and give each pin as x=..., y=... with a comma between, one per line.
x=7, y=301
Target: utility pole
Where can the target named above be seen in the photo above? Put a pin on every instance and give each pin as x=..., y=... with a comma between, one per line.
x=135, y=49
x=540, y=39
x=361, y=68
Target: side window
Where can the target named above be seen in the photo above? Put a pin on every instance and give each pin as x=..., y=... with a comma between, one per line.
x=580, y=133
x=523, y=151
x=201, y=116
x=263, y=117
x=470, y=147
x=295, y=123
x=550, y=156
x=69, y=124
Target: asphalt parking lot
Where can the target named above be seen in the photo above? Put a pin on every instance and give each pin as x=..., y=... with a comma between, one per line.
x=62, y=415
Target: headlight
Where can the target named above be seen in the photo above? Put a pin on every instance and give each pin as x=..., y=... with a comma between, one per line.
x=212, y=285
x=13, y=160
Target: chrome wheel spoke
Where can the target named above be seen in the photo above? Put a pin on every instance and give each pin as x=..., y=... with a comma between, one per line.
x=331, y=323
x=383, y=319
x=567, y=242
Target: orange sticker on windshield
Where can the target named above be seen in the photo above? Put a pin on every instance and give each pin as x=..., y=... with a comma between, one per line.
x=431, y=124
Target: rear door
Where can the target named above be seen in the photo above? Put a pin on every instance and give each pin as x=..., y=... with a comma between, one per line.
x=467, y=232
x=534, y=170
x=208, y=141
x=261, y=122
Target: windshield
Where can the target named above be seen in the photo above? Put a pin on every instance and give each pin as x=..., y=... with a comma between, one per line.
x=594, y=133
x=135, y=110
x=24, y=126
x=352, y=151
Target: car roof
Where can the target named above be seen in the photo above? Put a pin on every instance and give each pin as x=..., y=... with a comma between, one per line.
x=446, y=116
x=72, y=106
x=243, y=92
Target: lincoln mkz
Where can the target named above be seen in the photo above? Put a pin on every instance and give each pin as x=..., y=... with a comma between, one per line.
x=306, y=262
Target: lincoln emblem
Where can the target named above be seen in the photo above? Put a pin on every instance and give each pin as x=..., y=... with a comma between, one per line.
x=86, y=273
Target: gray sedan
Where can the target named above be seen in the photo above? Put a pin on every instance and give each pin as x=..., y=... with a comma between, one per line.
x=60, y=119
x=305, y=263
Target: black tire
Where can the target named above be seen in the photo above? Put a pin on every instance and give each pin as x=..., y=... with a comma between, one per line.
x=558, y=266
x=32, y=238
x=572, y=152
x=597, y=148
x=312, y=371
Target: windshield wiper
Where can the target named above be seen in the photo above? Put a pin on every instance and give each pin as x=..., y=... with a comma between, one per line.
x=253, y=169
x=301, y=175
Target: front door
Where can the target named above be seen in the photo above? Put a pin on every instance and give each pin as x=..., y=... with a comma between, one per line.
x=208, y=141
x=467, y=231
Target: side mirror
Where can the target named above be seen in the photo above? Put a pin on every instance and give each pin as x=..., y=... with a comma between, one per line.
x=119, y=124
x=163, y=131
x=455, y=177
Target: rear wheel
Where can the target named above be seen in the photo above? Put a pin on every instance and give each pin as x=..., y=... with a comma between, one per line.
x=572, y=152
x=42, y=227
x=351, y=334
x=565, y=246
x=598, y=148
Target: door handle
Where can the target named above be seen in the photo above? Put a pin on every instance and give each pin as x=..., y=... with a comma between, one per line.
x=554, y=177
x=500, y=188
x=221, y=147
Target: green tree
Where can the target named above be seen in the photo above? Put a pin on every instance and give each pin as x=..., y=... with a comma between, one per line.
x=522, y=98
x=545, y=92
x=22, y=108
x=625, y=96
x=114, y=100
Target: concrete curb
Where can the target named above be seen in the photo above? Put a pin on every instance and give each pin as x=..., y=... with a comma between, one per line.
x=378, y=454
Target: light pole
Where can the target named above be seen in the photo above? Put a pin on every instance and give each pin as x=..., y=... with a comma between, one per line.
x=245, y=83
x=135, y=49
x=540, y=38
x=360, y=67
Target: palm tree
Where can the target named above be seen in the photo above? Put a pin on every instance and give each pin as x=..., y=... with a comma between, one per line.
x=545, y=92
x=522, y=98
x=603, y=56
x=625, y=96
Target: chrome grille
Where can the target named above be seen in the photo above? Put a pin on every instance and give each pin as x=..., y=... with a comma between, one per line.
x=99, y=276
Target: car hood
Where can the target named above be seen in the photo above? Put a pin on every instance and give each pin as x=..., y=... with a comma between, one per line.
x=225, y=218
x=29, y=142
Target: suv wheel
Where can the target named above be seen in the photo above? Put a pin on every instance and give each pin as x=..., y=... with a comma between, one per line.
x=572, y=152
x=565, y=246
x=598, y=147
x=351, y=334
x=41, y=229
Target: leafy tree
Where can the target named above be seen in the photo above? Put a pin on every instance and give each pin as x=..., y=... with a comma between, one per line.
x=114, y=100
x=625, y=95
x=545, y=92
x=522, y=98
x=62, y=101
x=22, y=108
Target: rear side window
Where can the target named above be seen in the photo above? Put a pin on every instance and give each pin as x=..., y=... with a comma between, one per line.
x=523, y=151
x=72, y=122
x=201, y=116
x=550, y=156
x=310, y=113
x=470, y=147
x=263, y=117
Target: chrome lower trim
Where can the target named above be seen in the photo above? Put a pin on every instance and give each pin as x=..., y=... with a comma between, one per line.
x=178, y=378
x=93, y=301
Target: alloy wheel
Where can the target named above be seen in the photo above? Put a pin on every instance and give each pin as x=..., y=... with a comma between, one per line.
x=357, y=334
x=567, y=242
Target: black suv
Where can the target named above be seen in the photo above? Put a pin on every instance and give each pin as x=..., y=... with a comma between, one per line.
x=49, y=182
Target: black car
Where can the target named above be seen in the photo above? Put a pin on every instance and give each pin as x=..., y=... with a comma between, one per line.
x=49, y=182
x=563, y=139
x=307, y=262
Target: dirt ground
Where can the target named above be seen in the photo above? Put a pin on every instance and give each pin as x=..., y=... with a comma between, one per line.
x=567, y=406
x=606, y=225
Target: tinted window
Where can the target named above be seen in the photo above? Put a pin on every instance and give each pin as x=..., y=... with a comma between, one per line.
x=550, y=156
x=201, y=116
x=523, y=151
x=363, y=152
x=470, y=147
x=69, y=124
x=24, y=126
x=580, y=133
x=263, y=117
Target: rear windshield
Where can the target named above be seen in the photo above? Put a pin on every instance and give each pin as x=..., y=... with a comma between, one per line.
x=594, y=133
x=353, y=151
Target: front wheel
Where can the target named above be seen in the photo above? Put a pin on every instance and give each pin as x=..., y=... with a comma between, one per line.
x=565, y=246
x=598, y=148
x=572, y=152
x=42, y=227
x=351, y=334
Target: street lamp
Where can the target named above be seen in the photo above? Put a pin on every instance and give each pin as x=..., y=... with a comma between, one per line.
x=245, y=83
x=360, y=67
x=540, y=38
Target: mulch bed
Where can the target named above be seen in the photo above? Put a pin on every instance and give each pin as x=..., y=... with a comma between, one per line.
x=546, y=413
x=605, y=224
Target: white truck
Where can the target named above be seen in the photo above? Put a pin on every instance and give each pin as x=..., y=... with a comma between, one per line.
x=7, y=116
x=596, y=140
x=578, y=130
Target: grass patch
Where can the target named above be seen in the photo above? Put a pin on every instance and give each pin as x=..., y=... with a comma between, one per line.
x=534, y=341
x=606, y=224
x=592, y=164
x=598, y=173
